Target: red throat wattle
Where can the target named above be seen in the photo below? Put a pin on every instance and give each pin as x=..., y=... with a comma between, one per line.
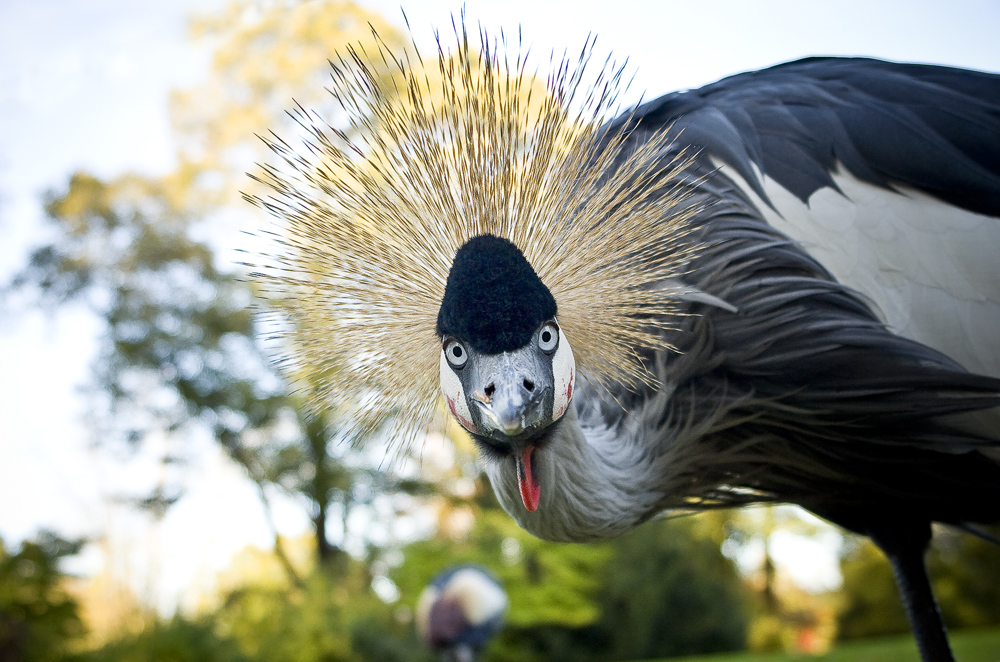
x=531, y=490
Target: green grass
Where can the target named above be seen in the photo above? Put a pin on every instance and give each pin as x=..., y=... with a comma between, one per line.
x=969, y=646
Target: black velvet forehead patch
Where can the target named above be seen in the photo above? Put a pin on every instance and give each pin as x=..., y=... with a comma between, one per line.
x=493, y=300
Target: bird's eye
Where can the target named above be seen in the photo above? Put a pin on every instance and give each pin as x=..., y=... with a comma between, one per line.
x=455, y=352
x=548, y=337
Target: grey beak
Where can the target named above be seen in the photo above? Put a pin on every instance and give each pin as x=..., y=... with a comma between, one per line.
x=513, y=404
x=510, y=391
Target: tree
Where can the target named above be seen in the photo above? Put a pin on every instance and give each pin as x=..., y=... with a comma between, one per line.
x=668, y=592
x=964, y=572
x=180, y=355
x=267, y=57
x=38, y=617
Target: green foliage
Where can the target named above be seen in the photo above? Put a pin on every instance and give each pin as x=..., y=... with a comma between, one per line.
x=670, y=592
x=665, y=589
x=968, y=646
x=176, y=640
x=329, y=615
x=377, y=639
x=873, y=606
x=38, y=617
x=552, y=588
x=964, y=572
x=282, y=624
x=546, y=583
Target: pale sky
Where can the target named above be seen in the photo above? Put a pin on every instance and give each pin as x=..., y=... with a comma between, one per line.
x=84, y=85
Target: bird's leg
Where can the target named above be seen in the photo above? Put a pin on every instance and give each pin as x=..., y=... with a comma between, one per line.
x=905, y=547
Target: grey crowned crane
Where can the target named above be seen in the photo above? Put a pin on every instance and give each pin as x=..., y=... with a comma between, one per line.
x=460, y=611
x=783, y=287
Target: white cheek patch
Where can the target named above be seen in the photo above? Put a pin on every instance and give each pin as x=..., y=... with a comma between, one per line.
x=454, y=395
x=563, y=377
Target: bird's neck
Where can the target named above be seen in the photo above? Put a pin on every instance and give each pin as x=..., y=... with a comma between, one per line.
x=596, y=483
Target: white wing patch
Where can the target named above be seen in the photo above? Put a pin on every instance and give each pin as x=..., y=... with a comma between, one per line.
x=480, y=598
x=563, y=377
x=454, y=395
x=932, y=270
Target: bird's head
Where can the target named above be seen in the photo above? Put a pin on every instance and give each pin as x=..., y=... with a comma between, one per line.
x=423, y=250
x=507, y=369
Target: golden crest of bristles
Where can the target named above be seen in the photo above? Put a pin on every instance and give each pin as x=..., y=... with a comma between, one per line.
x=371, y=217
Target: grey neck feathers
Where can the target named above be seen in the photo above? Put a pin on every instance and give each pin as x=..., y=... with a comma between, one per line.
x=597, y=482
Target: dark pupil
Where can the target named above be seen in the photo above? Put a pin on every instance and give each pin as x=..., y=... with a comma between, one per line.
x=457, y=351
x=546, y=336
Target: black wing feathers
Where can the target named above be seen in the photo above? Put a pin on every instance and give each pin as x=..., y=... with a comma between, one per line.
x=933, y=128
